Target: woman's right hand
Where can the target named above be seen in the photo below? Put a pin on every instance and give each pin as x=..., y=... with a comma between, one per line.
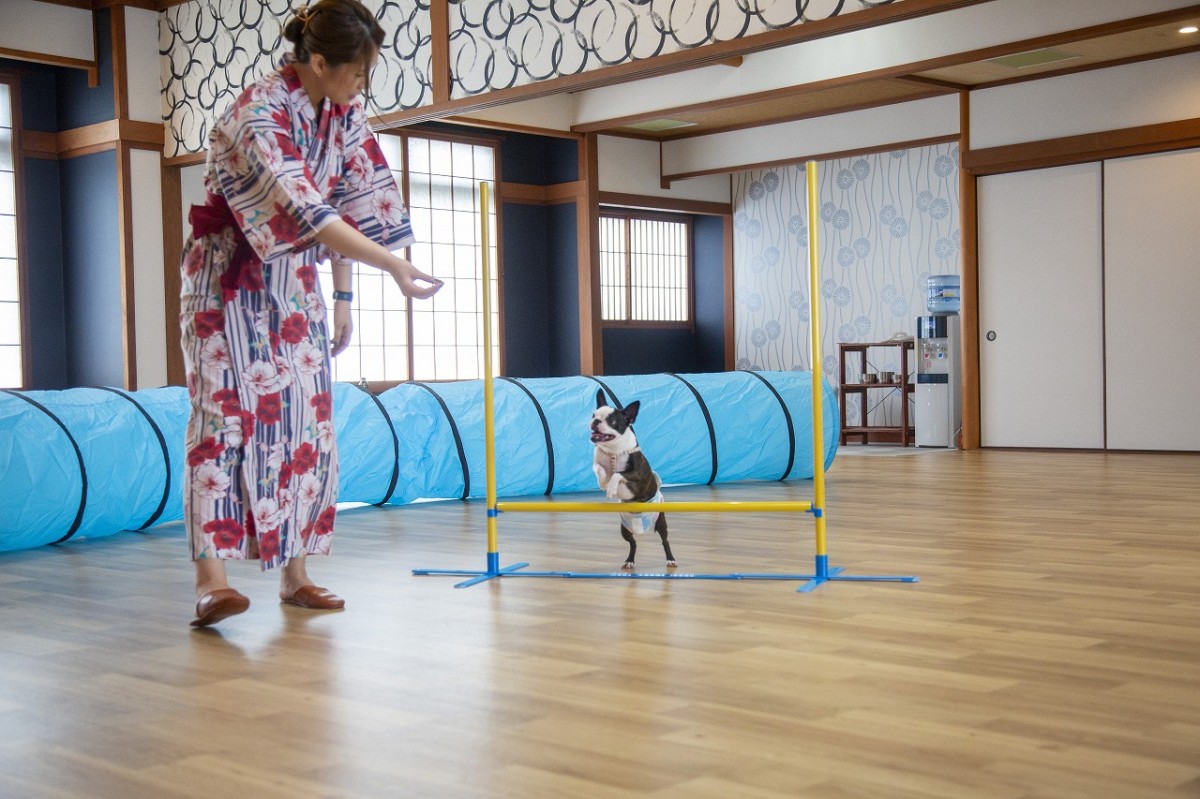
x=406, y=276
x=345, y=240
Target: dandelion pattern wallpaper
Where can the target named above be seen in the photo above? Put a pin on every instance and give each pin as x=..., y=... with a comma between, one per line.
x=887, y=222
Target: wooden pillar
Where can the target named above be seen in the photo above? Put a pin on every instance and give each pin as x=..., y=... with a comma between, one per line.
x=124, y=198
x=970, y=286
x=439, y=43
x=727, y=238
x=172, y=206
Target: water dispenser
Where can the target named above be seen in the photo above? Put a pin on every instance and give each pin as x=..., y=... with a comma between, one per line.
x=937, y=414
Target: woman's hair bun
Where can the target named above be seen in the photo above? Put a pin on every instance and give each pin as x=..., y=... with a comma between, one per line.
x=342, y=31
x=293, y=31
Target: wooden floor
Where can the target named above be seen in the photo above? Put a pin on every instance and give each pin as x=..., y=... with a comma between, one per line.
x=1051, y=649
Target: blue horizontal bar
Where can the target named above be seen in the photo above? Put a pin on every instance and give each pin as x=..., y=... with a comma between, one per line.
x=811, y=581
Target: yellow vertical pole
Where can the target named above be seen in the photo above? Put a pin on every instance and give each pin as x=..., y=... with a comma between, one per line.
x=489, y=425
x=818, y=392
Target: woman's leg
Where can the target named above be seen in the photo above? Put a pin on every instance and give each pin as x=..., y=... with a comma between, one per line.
x=210, y=576
x=297, y=589
x=215, y=600
x=293, y=576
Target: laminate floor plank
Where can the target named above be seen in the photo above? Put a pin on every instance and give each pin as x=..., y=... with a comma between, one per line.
x=1051, y=650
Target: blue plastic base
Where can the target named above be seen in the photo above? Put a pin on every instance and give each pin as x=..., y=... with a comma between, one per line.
x=493, y=570
x=810, y=581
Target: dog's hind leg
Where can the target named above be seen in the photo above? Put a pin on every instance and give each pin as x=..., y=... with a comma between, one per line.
x=628, y=536
x=660, y=527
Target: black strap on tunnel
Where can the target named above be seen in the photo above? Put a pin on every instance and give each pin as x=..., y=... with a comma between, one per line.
x=545, y=429
x=162, y=445
x=462, y=454
x=712, y=433
x=616, y=402
x=788, y=418
x=78, y=456
x=391, y=489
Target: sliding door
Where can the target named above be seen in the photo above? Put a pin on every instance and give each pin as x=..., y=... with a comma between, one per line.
x=1041, y=361
x=1152, y=301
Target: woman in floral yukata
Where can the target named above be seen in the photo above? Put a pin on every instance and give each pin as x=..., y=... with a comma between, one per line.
x=294, y=176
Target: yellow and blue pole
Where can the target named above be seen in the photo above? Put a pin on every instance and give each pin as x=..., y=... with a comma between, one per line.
x=489, y=422
x=818, y=389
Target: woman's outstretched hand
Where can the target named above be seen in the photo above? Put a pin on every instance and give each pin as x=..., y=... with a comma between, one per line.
x=407, y=277
x=343, y=239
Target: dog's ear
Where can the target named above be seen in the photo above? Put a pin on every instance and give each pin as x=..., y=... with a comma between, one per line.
x=600, y=403
x=631, y=411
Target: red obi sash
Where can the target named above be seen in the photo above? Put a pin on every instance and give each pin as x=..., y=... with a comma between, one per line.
x=245, y=267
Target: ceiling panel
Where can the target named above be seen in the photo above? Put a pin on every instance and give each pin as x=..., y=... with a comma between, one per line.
x=1158, y=40
x=781, y=106
x=1086, y=52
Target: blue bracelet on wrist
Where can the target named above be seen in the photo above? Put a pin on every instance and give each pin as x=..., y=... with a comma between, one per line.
x=348, y=296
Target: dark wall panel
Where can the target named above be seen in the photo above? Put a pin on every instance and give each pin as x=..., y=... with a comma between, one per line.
x=43, y=245
x=708, y=245
x=38, y=88
x=563, y=278
x=647, y=350
x=539, y=160
x=91, y=267
x=80, y=104
x=526, y=291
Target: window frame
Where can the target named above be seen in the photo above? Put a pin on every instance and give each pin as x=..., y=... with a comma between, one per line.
x=13, y=81
x=629, y=214
x=376, y=386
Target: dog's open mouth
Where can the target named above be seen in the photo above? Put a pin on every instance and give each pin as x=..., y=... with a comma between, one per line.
x=598, y=437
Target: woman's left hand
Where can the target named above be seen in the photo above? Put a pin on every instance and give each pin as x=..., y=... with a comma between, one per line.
x=406, y=276
x=339, y=335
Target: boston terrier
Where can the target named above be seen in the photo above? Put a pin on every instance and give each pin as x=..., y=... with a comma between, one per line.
x=624, y=473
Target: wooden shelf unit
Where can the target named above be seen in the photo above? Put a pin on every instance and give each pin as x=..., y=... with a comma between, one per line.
x=904, y=433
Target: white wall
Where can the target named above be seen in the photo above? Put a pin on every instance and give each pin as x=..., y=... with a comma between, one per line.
x=149, y=299
x=858, y=130
x=631, y=166
x=191, y=190
x=46, y=29
x=142, y=63
x=556, y=112
x=1147, y=93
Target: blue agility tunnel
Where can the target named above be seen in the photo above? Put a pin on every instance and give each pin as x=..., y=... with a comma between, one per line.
x=90, y=462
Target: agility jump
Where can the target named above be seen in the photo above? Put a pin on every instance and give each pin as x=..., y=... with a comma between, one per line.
x=822, y=571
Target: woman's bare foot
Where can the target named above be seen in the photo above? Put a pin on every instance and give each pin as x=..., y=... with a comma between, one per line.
x=293, y=577
x=215, y=600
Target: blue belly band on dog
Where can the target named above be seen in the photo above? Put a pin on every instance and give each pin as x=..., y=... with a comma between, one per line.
x=640, y=523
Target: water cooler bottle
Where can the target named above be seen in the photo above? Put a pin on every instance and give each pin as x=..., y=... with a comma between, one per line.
x=937, y=415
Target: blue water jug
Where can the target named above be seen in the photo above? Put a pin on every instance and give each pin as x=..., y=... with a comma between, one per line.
x=944, y=294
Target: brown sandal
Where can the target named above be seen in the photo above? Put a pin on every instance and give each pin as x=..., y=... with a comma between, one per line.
x=219, y=604
x=314, y=597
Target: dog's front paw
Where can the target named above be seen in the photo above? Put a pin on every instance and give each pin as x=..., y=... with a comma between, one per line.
x=671, y=564
x=612, y=490
x=627, y=565
x=601, y=474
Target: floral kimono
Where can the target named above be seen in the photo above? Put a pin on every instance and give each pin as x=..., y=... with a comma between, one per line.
x=261, y=477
